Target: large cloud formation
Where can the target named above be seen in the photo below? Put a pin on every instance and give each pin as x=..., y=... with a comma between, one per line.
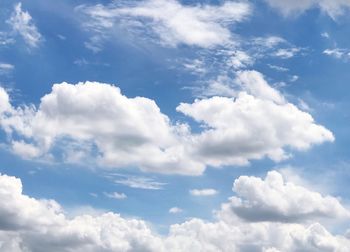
x=95, y=121
x=31, y=225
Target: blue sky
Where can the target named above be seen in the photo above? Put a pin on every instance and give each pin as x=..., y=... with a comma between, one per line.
x=152, y=109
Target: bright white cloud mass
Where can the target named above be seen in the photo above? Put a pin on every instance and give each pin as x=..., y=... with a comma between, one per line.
x=257, y=123
x=29, y=224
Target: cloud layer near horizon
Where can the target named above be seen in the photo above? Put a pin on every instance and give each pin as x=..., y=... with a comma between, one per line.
x=28, y=224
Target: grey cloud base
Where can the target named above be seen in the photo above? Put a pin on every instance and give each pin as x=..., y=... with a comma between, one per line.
x=32, y=225
x=88, y=118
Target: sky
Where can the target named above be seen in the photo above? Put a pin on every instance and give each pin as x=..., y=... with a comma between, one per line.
x=174, y=125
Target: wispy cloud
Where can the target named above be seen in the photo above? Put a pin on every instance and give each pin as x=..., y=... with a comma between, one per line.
x=115, y=195
x=138, y=182
x=206, y=25
x=22, y=23
x=6, y=68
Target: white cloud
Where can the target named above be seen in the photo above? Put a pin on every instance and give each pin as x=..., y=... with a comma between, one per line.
x=286, y=53
x=250, y=127
x=338, y=53
x=137, y=182
x=6, y=68
x=255, y=122
x=274, y=199
x=203, y=192
x=24, y=221
x=333, y=8
x=174, y=23
x=269, y=41
x=115, y=195
x=6, y=39
x=278, y=68
x=239, y=59
x=254, y=83
x=22, y=23
x=175, y=210
x=126, y=131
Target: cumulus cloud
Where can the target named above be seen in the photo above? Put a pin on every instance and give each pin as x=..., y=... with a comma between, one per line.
x=332, y=8
x=22, y=23
x=24, y=221
x=174, y=23
x=251, y=127
x=203, y=192
x=76, y=120
x=274, y=199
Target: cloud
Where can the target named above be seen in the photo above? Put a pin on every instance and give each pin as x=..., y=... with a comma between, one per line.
x=174, y=23
x=94, y=122
x=22, y=23
x=138, y=182
x=332, y=8
x=203, y=192
x=115, y=195
x=6, y=68
x=175, y=210
x=286, y=53
x=274, y=199
x=24, y=221
x=338, y=53
x=126, y=131
x=250, y=127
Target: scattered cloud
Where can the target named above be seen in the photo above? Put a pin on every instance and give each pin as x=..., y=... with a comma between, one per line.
x=278, y=68
x=175, y=210
x=206, y=25
x=203, y=192
x=137, y=182
x=6, y=68
x=115, y=195
x=22, y=23
x=286, y=53
x=338, y=53
x=6, y=39
x=332, y=8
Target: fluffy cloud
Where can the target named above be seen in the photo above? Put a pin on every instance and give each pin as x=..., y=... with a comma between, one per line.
x=22, y=23
x=24, y=221
x=251, y=127
x=94, y=121
x=126, y=131
x=274, y=199
x=173, y=22
x=333, y=8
